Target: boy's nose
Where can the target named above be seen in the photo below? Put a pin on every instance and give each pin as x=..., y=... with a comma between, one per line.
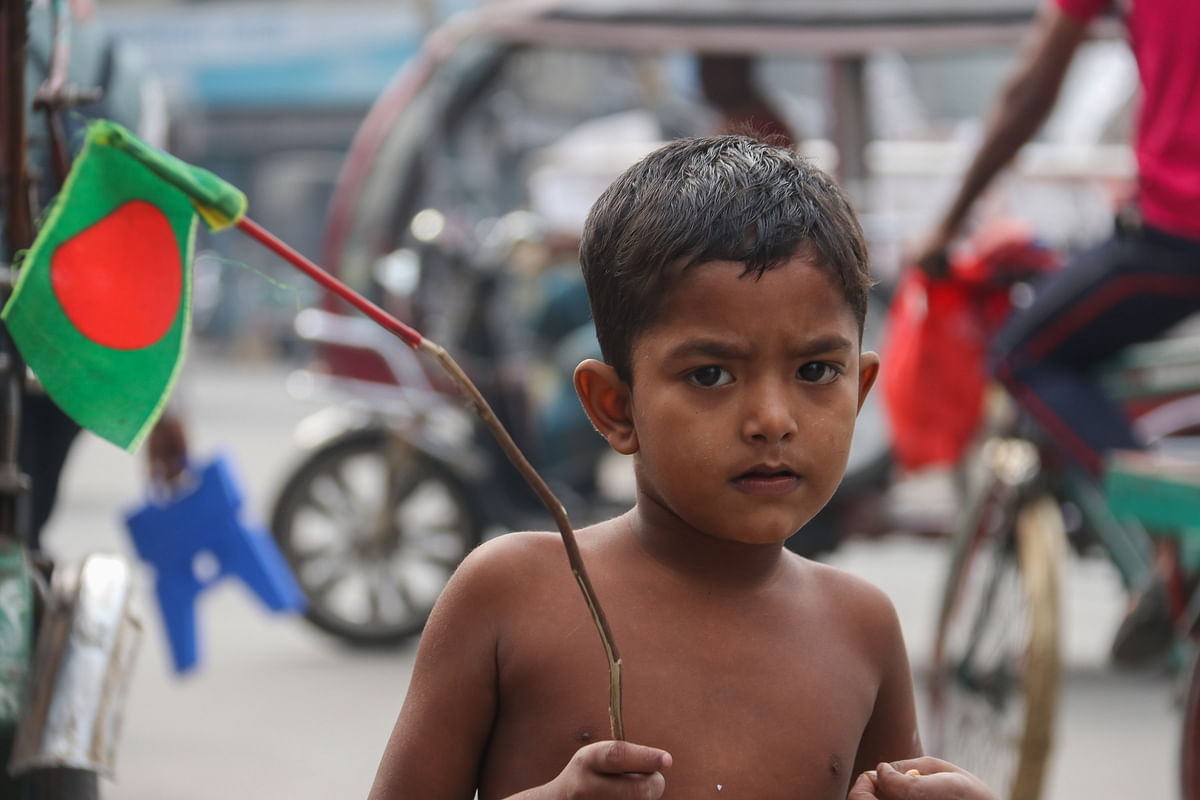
x=769, y=417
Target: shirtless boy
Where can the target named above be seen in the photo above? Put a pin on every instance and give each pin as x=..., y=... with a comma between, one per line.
x=728, y=281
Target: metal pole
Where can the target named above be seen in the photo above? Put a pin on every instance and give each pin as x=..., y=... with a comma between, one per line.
x=19, y=232
x=850, y=123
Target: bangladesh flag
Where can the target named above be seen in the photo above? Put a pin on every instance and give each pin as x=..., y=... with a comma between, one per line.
x=102, y=308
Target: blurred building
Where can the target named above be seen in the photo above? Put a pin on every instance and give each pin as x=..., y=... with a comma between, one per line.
x=269, y=94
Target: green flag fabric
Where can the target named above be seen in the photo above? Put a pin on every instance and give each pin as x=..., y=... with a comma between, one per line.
x=102, y=307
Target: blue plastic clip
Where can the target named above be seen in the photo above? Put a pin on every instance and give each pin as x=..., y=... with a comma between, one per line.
x=171, y=536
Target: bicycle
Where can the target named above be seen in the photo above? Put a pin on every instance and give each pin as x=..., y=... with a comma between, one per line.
x=996, y=667
x=1165, y=493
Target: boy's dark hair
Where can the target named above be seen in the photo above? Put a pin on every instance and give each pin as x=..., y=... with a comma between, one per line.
x=718, y=198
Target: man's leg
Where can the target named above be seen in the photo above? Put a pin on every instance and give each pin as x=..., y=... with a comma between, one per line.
x=1130, y=289
x=46, y=437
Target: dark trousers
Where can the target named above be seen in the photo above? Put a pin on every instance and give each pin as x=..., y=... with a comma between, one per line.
x=1129, y=289
x=46, y=437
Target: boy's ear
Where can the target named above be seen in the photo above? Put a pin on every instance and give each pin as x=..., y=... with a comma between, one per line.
x=868, y=371
x=606, y=399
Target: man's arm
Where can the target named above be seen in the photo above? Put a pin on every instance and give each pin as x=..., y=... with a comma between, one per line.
x=1015, y=117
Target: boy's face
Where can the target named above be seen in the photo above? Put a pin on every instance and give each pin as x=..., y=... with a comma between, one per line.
x=744, y=398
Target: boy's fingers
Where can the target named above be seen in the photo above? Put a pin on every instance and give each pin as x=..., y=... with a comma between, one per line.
x=898, y=784
x=863, y=788
x=926, y=765
x=636, y=786
x=618, y=758
x=927, y=779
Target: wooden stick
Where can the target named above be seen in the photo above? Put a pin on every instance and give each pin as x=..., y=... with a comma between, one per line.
x=415, y=340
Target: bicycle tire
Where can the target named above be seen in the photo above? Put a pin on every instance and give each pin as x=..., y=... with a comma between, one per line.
x=1189, y=740
x=370, y=575
x=1011, y=546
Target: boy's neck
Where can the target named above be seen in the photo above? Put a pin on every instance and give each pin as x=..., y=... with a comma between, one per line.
x=700, y=558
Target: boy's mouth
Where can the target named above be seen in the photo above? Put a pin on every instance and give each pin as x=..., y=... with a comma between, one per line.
x=767, y=480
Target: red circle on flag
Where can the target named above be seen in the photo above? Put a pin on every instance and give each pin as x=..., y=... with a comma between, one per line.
x=120, y=280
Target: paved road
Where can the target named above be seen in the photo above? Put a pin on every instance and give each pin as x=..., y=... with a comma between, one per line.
x=278, y=710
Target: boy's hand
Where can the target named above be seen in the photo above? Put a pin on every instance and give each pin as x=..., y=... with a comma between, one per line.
x=937, y=780
x=614, y=771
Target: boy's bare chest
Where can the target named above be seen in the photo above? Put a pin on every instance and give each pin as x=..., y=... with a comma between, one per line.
x=762, y=702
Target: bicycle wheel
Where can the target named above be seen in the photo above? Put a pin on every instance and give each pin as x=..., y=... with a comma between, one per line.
x=373, y=529
x=996, y=669
x=1189, y=754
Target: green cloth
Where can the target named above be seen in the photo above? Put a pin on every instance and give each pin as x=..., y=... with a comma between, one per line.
x=102, y=308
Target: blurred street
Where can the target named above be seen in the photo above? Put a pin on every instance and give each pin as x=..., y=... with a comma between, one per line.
x=279, y=710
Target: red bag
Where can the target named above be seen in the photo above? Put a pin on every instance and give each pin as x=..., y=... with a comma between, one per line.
x=933, y=369
x=936, y=338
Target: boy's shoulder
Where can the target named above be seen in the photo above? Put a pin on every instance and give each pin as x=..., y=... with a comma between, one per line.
x=850, y=599
x=500, y=581
x=519, y=557
x=844, y=583
x=515, y=547
x=521, y=568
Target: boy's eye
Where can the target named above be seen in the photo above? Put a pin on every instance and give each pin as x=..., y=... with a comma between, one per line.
x=710, y=376
x=818, y=372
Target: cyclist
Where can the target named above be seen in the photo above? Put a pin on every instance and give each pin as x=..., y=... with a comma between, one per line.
x=1132, y=287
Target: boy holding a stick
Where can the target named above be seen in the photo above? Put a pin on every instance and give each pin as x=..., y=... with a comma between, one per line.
x=728, y=282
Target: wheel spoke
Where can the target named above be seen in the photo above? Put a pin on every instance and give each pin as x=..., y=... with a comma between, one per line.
x=374, y=589
x=321, y=572
x=388, y=583
x=444, y=550
x=330, y=495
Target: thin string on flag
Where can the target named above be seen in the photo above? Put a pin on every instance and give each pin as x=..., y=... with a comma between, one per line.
x=415, y=340
x=289, y=289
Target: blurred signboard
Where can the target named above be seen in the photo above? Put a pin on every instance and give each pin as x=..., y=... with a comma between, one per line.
x=271, y=55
